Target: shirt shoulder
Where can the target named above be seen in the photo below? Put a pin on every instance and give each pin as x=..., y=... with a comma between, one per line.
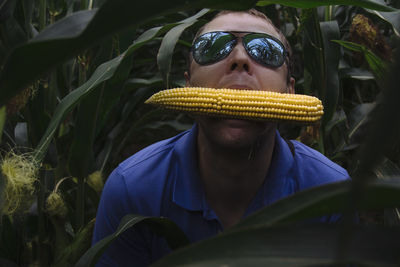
x=151, y=153
x=146, y=175
x=316, y=169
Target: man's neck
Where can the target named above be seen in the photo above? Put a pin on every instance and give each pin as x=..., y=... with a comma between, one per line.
x=232, y=177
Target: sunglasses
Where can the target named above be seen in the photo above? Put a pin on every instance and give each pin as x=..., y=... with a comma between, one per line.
x=212, y=47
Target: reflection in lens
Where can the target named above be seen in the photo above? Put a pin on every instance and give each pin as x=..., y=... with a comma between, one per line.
x=212, y=47
x=265, y=50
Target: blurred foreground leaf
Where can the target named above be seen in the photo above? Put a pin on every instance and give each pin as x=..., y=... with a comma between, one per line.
x=290, y=245
x=255, y=242
x=161, y=226
x=323, y=200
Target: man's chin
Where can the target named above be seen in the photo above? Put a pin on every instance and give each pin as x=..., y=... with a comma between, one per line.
x=241, y=125
x=232, y=133
x=237, y=123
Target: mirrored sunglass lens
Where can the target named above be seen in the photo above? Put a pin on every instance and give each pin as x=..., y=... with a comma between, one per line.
x=265, y=50
x=212, y=47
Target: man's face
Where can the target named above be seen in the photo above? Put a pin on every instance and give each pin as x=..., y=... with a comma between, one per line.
x=238, y=71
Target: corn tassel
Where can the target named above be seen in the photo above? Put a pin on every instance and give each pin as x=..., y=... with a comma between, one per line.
x=242, y=104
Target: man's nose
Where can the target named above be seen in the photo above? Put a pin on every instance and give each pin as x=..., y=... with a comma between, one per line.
x=239, y=59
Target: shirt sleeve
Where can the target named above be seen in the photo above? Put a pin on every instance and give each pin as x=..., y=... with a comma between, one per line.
x=132, y=248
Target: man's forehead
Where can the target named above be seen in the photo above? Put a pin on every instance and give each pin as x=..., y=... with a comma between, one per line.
x=240, y=21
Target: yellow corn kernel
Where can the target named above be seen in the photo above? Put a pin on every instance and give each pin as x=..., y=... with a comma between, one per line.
x=242, y=104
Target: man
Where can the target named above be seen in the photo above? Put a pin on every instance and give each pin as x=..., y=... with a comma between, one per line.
x=209, y=178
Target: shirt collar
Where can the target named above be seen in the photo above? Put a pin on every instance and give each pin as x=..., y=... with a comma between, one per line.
x=188, y=190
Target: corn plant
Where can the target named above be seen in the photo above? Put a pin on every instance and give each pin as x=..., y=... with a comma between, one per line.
x=74, y=76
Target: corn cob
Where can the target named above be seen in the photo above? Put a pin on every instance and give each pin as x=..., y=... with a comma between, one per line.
x=243, y=104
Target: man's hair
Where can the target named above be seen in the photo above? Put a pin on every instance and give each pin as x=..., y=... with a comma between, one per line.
x=261, y=15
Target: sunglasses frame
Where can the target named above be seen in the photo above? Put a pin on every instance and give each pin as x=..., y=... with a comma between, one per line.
x=236, y=37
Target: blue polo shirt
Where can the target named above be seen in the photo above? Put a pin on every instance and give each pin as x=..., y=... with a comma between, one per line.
x=163, y=180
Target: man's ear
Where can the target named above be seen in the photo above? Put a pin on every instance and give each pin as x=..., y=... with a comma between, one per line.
x=187, y=78
x=290, y=88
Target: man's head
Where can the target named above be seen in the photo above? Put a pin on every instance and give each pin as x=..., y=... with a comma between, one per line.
x=249, y=21
x=239, y=70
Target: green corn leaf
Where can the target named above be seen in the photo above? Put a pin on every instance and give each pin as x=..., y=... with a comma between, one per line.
x=66, y=28
x=102, y=73
x=2, y=120
x=358, y=116
x=258, y=241
x=356, y=73
x=144, y=88
x=387, y=169
x=339, y=118
x=383, y=128
x=71, y=254
x=376, y=64
x=28, y=8
x=161, y=226
x=80, y=30
x=8, y=263
x=290, y=246
x=323, y=200
x=329, y=31
x=81, y=156
x=313, y=52
x=164, y=56
x=2, y=187
x=356, y=121
x=314, y=3
x=322, y=59
x=393, y=18
x=61, y=237
x=383, y=131
x=37, y=54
